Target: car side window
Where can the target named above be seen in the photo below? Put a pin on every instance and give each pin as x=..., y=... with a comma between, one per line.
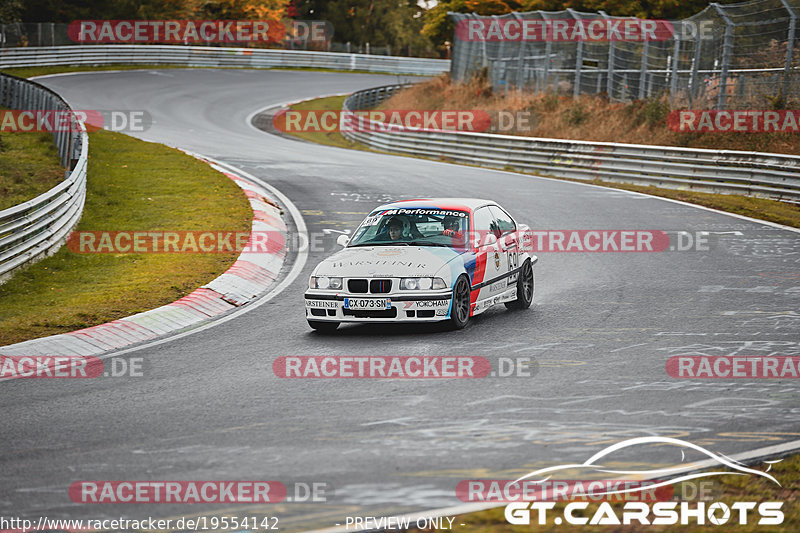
x=504, y=221
x=485, y=223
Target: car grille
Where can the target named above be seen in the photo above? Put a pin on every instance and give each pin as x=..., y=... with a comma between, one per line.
x=357, y=285
x=375, y=286
x=380, y=286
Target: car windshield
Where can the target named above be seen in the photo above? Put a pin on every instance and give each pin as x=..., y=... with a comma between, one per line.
x=413, y=227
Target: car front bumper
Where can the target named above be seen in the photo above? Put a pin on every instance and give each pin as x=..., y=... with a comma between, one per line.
x=426, y=306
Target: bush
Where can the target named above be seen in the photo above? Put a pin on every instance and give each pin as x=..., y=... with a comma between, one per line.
x=575, y=115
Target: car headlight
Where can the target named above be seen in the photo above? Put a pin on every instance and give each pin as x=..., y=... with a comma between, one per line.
x=423, y=284
x=325, y=282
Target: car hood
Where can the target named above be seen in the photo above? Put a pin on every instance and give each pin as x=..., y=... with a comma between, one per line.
x=387, y=261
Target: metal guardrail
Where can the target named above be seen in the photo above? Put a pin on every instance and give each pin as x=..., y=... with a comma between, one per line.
x=209, y=56
x=766, y=175
x=37, y=228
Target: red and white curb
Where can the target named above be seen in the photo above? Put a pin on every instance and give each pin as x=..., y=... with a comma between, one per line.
x=252, y=274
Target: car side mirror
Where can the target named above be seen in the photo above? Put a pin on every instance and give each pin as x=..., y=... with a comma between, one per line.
x=342, y=240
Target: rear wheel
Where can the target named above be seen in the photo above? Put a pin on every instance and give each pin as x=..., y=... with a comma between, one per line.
x=322, y=326
x=459, y=314
x=524, y=288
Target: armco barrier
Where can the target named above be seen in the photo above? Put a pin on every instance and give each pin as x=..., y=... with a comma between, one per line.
x=765, y=175
x=37, y=228
x=209, y=56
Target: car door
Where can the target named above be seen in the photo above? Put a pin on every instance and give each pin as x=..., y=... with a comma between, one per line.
x=495, y=263
x=508, y=241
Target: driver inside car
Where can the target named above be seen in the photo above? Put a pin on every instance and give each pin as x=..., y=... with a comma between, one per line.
x=395, y=227
x=452, y=226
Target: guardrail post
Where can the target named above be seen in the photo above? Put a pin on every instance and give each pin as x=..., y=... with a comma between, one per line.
x=727, y=50
x=789, y=50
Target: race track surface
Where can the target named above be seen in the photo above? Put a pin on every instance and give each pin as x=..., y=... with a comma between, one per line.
x=600, y=332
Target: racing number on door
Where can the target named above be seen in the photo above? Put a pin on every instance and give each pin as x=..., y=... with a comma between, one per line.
x=513, y=259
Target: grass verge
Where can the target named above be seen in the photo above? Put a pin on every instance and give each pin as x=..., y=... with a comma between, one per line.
x=727, y=489
x=29, y=166
x=760, y=208
x=30, y=72
x=132, y=186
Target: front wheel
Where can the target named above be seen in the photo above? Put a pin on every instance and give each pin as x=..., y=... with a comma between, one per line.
x=322, y=326
x=459, y=313
x=524, y=288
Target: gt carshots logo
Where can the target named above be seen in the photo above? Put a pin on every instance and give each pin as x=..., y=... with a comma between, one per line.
x=643, y=510
x=663, y=513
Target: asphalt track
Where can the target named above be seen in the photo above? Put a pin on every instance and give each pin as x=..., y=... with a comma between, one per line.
x=600, y=332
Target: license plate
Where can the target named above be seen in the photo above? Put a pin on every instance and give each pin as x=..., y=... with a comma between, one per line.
x=367, y=303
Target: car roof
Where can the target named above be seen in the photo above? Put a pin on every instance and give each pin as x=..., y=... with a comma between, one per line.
x=463, y=204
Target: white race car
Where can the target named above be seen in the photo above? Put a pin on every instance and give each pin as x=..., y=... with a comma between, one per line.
x=423, y=261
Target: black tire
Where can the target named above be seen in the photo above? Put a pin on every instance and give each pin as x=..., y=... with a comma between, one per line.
x=525, y=288
x=322, y=326
x=459, y=314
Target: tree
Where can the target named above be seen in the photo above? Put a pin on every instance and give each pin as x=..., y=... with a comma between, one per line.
x=439, y=27
x=10, y=11
x=393, y=23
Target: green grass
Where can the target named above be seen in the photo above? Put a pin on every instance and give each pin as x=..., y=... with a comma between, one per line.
x=760, y=208
x=30, y=72
x=132, y=185
x=728, y=489
x=29, y=166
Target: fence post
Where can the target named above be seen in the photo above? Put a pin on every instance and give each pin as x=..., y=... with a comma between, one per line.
x=673, y=86
x=520, y=79
x=548, y=49
x=643, y=69
x=611, y=50
x=485, y=57
x=576, y=88
x=727, y=48
x=500, y=61
x=698, y=47
x=787, y=68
